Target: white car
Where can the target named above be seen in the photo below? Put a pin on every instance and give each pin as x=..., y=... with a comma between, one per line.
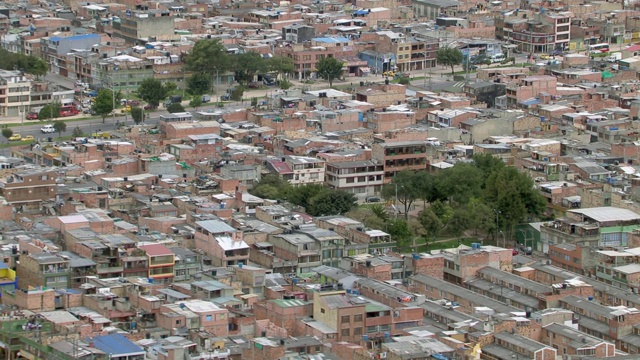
x=47, y=129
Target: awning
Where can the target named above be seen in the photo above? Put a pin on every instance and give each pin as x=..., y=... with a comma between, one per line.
x=365, y=69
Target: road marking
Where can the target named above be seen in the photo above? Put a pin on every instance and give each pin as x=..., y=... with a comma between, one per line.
x=459, y=84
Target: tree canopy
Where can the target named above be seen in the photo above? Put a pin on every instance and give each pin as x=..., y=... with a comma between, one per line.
x=27, y=63
x=208, y=56
x=49, y=111
x=198, y=84
x=153, y=91
x=103, y=105
x=60, y=127
x=449, y=57
x=329, y=68
x=317, y=199
x=247, y=66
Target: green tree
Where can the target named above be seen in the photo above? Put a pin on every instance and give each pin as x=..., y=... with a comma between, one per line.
x=198, y=84
x=400, y=231
x=175, y=108
x=137, y=114
x=404, y=81
x=27, y=63
x=449, y=57
x=103, y=105
x=7, y=133
x=379, y=211
x=331, y=202
x=60, y=127
x=247, y=65
x=280, y=64
x=49, y=111
x=329, y=68
x=403, y=188
x=443, y=211
x=460, y=183
x=153, y=91
x=77, y=132
x=196, y=101
x=207, y=57
x=430, y=223
x=237, y=93
x=488, y=164
x=270, y=187
x=302, y=195
x=512, y=193
x=458, y=223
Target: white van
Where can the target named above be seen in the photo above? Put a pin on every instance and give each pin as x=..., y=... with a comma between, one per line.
x=497, y=58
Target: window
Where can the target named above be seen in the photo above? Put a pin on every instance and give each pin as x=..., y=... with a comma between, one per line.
x=178, y=322
x=345, y=332
x=357, y=318
x=209, y=318
x=346, y=319
x=322, y=310
x=357, y=331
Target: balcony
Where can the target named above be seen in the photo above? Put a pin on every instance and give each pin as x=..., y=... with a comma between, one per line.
x=109, y=269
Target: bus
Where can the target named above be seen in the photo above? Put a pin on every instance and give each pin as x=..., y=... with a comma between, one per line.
x=599, y=48
x=68, y=110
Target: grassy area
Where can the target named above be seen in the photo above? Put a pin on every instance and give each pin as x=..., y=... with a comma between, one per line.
x=448, y=244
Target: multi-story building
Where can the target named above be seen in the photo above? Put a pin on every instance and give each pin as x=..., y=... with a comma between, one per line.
x=363, y=178
x=221, y=242
x=299, y=170
x=161, y=262
x=305, y=56
x=401, y=155
x=145, y=26
x=43, y=270
x=187, y=263
x=590, y=228
x=530, y=87
x=572, y=342
x=543, y=34
x=298, y=33
x=56, y=48
x=15, y=93
x=29, y=187
x=432, y=9
x=121, y=72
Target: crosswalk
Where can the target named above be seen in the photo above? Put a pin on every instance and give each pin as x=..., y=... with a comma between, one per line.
x=459, y=84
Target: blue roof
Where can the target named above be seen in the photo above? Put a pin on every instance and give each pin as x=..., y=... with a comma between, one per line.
x=75, y=37
x=530, y=102
x=360, y=12
x=331, y=39
x=117, y=344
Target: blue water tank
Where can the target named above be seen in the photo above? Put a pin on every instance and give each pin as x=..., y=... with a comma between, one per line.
x=416, y=256
x=542, y=118
x=387, y=335
x=150, y=280
x=222, y=205
x=295, y=281
x=590, y=298
x=475, y=245
x=365, y=337
x=240, y=265
x=182, y=306
x=134, y=325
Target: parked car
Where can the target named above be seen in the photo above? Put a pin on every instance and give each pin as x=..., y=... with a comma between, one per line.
x=32, y=116
x=514, y=252
x=545, y=56
x=372, y=199
x=253, y=85
x=150, y=107
x=205, y=98
x=28, y=138
x=15, y=137
x=225, y=97
x=133, y=103
x=268, y=80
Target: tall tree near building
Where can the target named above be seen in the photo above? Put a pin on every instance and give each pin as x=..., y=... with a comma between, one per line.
x=247, y=66
x=49, y=111
x=329, y=68
x=153, y=91
x=7, y=133
x=198, y=84
x=103, y=105
x=280, y=64
x=60, y=127
x=403, y=188
x=207, y=57
x=449, y=57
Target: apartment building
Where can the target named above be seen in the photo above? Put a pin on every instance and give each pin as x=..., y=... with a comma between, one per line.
x=43, y=270
x=548, y=31
x=374, y=241
x=145, y=25
x=362, y=178
x=121, y=72
x=187, y=263
x=161, y=262
x=591, y=227
x=571, y=342
x=401, y=155
x=221, y=242
x=56, y=48
x=305, y=56
x=530, y=87
x=618, y=268
x=299, y=170
x=15, y=91
x=29, y=187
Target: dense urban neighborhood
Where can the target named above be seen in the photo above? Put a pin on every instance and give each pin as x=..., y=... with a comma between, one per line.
x=320, y=180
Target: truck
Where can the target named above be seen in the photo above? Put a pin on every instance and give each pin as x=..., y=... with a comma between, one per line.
x=614, y=57
x=173, y=99
x=206, y=98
